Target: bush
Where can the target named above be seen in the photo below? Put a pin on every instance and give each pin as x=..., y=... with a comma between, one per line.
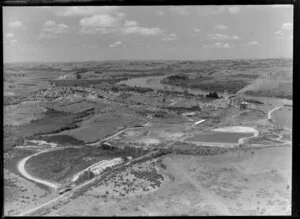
x=163, y=166
x=186, y=92
x=213, y=95
x=125, y=158
x=87, y=175
x=106, y=146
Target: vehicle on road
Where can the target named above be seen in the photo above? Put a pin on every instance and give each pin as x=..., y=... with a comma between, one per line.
x=64, y=190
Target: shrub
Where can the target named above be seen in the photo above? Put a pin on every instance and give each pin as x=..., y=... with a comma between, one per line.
x=163, y=166
x=213, y=95
x=87, y=175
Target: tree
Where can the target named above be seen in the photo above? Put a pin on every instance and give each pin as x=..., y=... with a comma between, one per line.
x=125, y=158
x=215, y=95
x=186, y=92
x=114, y=89
x=78, y=76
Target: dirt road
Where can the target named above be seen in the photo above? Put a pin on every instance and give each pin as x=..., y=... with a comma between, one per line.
x=69, y=194
x=108, y=138
x=271, y=111
x=22, y=170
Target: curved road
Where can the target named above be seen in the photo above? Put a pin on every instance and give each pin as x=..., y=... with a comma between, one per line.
x=70, y=193
x=271, y=111
x=22, y=170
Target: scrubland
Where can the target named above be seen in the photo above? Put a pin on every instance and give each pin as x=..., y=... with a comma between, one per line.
x=146, y=113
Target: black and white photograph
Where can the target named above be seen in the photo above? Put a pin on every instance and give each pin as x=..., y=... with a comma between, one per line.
x=147, y=110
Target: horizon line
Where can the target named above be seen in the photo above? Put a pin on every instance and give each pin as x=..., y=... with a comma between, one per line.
x=116, y=60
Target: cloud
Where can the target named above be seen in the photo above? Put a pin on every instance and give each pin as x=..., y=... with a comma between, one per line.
x=219, y=45
x=180, y=10
x=152, y=31
x=226, y=45
x=284, y=31
x=102, y=20
x=15, y=24
x=279, y=32
x=287, y=26
x=160, y=12
x=197, y=30
x=130, y=24
x=13, y=41
x=52, y=27
x=282, y=6
x=132, y=27
x=106, y=23
x=220, y=27
x=233, y=9
x=213, y=10
x=9, y=35
x=89, y=46
x=9, y=42
x=86, y=10
x=253, y=43
x=102, y=23
x=47, y=36
x=250, y=43
x=169, y=37
x=43, y=7
x=218, y=36
x=49, y=23
x=210, y=10
x=52, y=30
x=115, y=44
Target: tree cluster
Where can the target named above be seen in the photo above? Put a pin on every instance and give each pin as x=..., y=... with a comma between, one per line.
x=213, y=95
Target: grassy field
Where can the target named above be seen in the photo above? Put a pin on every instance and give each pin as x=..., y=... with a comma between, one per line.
x=102, y=125
x=58, y=139
x=195, y=185
x=61, y=164
x=53, y=122
x=189, y=179
x=216, y=84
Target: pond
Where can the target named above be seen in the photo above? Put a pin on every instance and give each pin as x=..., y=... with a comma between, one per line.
x=223, y=137
x=283, y=117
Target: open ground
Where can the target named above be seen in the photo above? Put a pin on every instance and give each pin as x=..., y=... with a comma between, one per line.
x=148, y=138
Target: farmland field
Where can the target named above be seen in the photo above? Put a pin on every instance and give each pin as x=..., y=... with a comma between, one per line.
x=180, y=145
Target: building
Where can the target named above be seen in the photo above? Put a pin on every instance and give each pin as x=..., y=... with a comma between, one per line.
x=189, y=114
x=243, y=105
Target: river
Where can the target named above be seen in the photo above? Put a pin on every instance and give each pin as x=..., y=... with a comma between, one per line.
x=154, y=83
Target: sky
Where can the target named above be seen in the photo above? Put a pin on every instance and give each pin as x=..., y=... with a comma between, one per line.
x=92, y=33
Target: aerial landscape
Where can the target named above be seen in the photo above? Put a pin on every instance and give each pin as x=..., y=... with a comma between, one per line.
x=144, y=136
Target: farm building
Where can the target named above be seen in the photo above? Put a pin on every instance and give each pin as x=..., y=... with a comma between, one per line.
x=189, y=114
x=243, y=105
